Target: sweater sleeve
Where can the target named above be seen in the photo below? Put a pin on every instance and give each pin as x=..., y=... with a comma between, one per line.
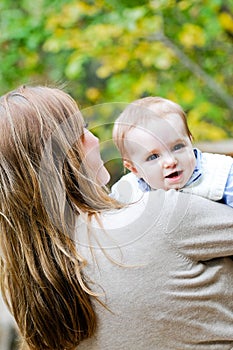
x=198, y=228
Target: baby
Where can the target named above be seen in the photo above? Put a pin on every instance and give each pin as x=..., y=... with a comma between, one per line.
x=155, y=143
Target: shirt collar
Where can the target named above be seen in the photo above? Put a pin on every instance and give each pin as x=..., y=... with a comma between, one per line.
x=197, y=172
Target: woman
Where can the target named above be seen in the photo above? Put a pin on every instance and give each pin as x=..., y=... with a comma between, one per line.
x=78, y=269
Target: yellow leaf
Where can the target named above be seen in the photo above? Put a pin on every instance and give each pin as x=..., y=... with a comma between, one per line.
x=204, y=107
x=172, y=96
x=93, y=93
x=226, y=21
x=183, y=5
x=147, y=83
x=163, y=60
x=52, y=45
x=183, y=93
x=188, y=95
x=162, y=3
x=70, y=13
x=149, y=25
x=206, y=131
x=104, y=71
x=201, y=129
x=154, y=54
x=53, y=22
x=104, y=31
x=31, y=59
x=113, y=62
x=192, y=35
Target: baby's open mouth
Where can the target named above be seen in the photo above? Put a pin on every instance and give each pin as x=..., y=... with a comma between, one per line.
x=175, y=174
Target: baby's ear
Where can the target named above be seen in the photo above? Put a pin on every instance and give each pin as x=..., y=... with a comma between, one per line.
x=128, y=165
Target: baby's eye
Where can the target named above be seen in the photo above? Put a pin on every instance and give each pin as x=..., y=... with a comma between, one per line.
x=152, y=157
x=178, y=146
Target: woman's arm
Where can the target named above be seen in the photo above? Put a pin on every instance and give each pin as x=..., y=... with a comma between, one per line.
x=201, y=229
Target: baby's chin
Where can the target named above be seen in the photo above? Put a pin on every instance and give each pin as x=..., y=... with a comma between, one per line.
x=176, y=187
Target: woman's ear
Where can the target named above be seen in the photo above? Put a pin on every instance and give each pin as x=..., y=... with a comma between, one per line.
x=128, y=165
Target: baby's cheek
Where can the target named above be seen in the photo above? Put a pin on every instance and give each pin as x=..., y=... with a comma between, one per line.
x=153, y=178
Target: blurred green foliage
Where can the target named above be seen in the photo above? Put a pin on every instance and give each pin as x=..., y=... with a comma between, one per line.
x=121, y=50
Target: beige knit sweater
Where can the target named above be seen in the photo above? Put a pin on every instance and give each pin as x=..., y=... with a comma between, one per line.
x=175, y=288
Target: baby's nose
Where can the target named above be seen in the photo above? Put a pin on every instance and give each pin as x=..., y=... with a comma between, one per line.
x=169, y=160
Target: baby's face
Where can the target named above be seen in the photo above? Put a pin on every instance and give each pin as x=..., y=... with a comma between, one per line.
x=161, y=154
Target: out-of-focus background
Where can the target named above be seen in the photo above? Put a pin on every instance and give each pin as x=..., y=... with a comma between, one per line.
x=109, y=53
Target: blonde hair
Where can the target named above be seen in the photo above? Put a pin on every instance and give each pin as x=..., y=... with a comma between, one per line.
x=139, y=114
x=44, y=183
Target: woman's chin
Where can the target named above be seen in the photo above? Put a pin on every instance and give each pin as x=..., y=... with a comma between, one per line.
x=103, y=176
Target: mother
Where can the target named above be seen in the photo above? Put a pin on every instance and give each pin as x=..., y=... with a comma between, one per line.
x=78, y=269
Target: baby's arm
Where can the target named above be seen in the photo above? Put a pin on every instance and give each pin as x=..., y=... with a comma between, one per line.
x=126, y=190
x=204, y=228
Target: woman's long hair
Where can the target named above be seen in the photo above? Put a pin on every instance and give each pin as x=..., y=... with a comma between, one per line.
x=44, y=182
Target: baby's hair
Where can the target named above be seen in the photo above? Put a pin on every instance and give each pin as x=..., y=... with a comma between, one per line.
x=44, y=184
x=139, y=114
